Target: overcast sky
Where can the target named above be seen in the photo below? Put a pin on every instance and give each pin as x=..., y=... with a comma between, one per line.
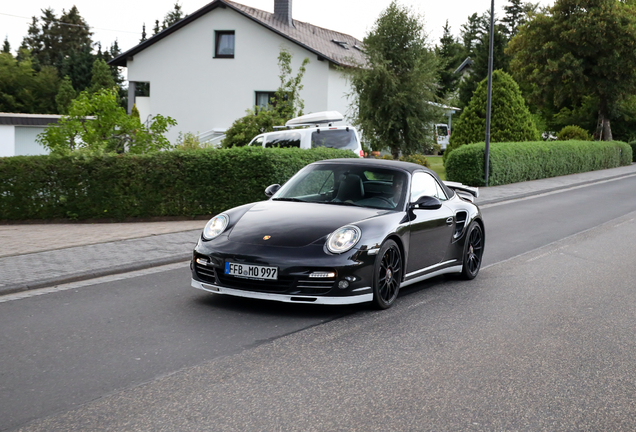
x=123, y=19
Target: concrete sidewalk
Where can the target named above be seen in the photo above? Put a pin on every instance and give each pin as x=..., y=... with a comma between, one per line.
x=36, y=256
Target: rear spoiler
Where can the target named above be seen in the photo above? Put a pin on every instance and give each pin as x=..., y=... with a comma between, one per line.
x=466, y=192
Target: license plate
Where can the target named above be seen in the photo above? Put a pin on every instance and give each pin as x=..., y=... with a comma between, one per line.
x=251, y=271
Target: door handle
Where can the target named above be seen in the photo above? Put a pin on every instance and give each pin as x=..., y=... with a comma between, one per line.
x=449, y=221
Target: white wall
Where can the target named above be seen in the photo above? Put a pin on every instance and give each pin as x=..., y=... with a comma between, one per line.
x=25, y=143
x=203, y=93
x=7, y=140
x=143, y=106
x=339, y=87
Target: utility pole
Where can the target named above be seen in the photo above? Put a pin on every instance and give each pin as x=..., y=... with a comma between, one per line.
x=489, y=97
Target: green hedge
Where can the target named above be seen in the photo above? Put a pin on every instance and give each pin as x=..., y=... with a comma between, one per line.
x=523, y=161
x=174, y=183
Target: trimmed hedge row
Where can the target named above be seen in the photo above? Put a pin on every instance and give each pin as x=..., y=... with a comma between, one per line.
x=174, y=183
x=523, y=161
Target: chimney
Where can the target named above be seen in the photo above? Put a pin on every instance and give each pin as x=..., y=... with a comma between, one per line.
x=283, y=11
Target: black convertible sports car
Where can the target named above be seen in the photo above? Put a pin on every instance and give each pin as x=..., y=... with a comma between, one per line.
x=343, y=231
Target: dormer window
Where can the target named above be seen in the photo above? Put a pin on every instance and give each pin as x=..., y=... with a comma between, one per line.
x=341, y=43
x=224, y=44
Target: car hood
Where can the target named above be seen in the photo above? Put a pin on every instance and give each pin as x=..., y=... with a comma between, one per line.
x=295, y=224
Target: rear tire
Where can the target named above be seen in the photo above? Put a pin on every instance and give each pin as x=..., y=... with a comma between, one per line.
x=387, y=275
x=473, y=251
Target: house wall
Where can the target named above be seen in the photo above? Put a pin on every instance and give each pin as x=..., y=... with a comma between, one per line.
x=7, y=140
x=25, y=141
x=203, y=93
x=337, y=93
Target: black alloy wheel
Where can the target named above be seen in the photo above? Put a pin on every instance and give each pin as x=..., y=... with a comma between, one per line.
x=387, y=275
x=473, y=251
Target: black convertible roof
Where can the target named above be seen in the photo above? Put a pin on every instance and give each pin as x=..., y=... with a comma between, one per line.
x=382, y=163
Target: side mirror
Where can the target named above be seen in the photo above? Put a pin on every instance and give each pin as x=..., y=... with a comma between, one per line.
x=426, y=202
x=271, y=190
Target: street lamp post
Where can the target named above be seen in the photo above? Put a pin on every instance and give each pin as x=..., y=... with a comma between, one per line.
x=489, y=96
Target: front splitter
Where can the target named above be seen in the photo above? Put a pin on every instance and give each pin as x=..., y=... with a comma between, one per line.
x=216, y=289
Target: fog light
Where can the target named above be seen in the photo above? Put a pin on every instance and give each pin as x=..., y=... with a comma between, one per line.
x=343, y=284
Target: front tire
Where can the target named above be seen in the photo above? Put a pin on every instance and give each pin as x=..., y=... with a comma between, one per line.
x=387, y=275
x=473, y=251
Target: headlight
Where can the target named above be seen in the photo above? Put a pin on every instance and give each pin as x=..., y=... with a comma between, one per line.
x=343, y=239
x=215, y=226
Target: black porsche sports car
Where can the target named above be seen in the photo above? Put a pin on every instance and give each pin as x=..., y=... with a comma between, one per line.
x=343, y=231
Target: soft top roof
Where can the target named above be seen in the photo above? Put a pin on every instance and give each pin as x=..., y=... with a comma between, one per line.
x=379, y=163
x=388, y=164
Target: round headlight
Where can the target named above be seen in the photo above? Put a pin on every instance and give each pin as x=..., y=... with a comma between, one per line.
x=343, y=239
x=215, y=226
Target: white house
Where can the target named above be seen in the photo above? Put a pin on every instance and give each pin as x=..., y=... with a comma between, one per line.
x=206, y=70
x=19, y=131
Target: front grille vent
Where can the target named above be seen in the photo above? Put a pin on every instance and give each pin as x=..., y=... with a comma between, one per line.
x=306, y=286
x=205, y=273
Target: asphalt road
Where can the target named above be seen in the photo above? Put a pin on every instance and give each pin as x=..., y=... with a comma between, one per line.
x=543, y=341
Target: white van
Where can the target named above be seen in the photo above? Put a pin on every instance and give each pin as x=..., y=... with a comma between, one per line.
x=442, y=135
x=311, y=131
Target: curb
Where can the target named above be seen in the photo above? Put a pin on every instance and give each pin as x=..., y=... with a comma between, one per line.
x=544, y=191
x=76, y=277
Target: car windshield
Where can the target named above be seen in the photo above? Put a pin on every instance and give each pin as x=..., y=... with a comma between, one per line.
x=335, y=138
x=342, y=184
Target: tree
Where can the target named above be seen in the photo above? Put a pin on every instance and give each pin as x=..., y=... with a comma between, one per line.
x=393, y=90
x=6, y=46
x=576, y=49
x=143, y=33
x=65, y=95
x=175, y=15
x=450, y=55
x=516, y=15
x=480, y=57
x=511, y=120
x=53, y=40
x=24, y=89
x=285, y=105
x=111, y=130
x=473, y=30
x=101, y=77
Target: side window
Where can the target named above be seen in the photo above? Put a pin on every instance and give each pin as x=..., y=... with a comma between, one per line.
x=283, y=140
x=224, y=44
x=258, y=142
x=424, y=184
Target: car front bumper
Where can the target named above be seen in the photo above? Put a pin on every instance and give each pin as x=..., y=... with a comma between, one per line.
x=287, y=298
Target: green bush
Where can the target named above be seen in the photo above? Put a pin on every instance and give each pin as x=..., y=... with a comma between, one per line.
x=175, y=183
x=517, y=162
x=414, y=158
x=633, y=146
x=511, y=120
x=573, y=132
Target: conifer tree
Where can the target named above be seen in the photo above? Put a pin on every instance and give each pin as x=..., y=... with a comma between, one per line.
x=173, y=16
x=65, y=95
x=511, y=120
x=101, y=77
x=450, y=55
x=6, y=46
